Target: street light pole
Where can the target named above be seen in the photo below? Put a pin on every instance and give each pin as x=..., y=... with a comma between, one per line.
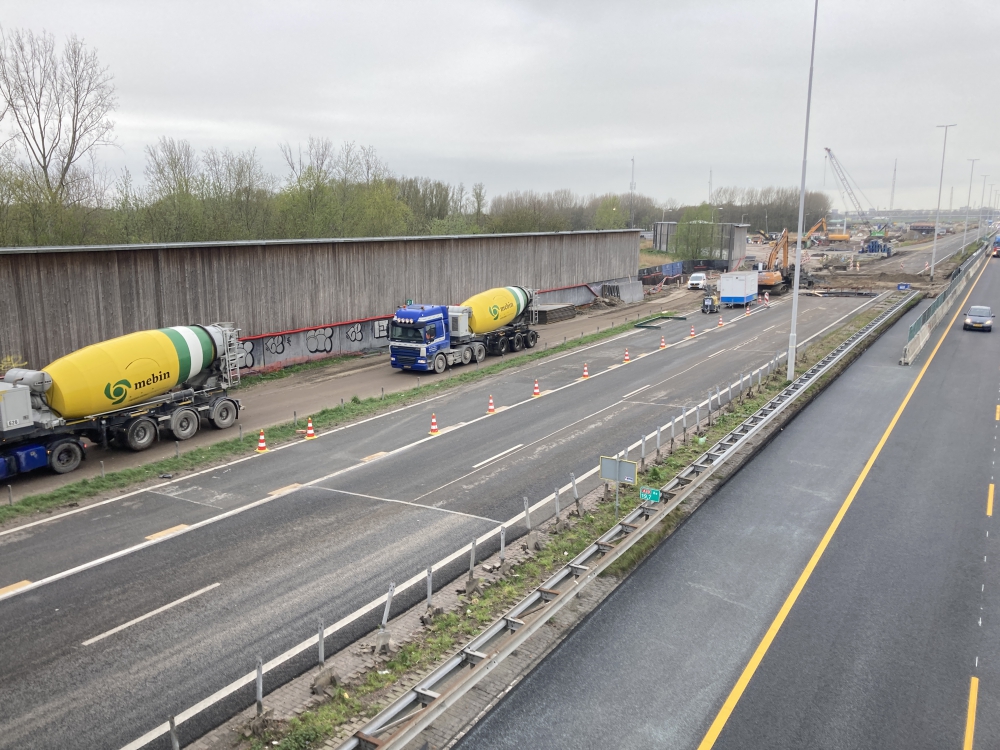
x=802, y=203
x=982, y=197
x=937, y=218
x=968, y=204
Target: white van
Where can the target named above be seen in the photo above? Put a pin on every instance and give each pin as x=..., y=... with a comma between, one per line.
x=697, y=281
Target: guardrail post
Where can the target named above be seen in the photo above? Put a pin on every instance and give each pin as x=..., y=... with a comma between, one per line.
x=684, y=424
x=527, y=515
x=260, y=686
x=576, y=495
x=430, y=578
x=658, y=427
x=673, y=423
x=642, y=455
x=174, y=742
x=758, y=380
x=504, y=565
x=557, y=505
x=618, y=473
x=697, y=419
x=729, y=393
x=710, y=407
x=295, y=419
x=322, y=639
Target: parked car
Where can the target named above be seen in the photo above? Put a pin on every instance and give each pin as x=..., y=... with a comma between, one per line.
x=697, y=281
x=979, y=318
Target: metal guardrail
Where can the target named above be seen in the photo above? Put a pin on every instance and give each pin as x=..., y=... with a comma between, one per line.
x=957, y=279
x=407, y=716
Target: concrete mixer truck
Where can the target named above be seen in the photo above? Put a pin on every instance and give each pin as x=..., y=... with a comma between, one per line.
x=432, y=337
x=121, y=391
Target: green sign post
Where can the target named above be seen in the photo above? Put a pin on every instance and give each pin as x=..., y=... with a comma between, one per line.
x=649, y=494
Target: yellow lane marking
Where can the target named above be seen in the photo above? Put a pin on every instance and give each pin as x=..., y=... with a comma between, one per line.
x=373, y=456
x=758, y=655
x=14, y=587
x=998, y=413
x=989, y=502
x=970, y=719
x=167, y=532
x=283, y=490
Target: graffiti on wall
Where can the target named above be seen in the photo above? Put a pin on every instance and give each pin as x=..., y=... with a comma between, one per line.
x=267, y=352
x=10, y=361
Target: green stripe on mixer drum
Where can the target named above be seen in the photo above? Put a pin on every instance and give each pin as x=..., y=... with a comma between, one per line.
x=207, y=346
x=183, y=353
x=519, y=297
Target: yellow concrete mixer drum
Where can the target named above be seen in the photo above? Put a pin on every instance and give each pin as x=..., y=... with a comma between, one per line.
x=495, y=308
x=127, y=370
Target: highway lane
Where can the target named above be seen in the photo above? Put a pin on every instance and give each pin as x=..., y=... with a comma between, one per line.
x=651, y=666
x=315, y=552
x=902, y=612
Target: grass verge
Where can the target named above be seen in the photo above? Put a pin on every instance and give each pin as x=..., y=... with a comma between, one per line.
x=453, y=629
x=350, y=411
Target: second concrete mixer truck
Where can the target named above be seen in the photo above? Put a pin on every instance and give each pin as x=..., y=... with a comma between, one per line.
x=122, y=391
x=431, y=337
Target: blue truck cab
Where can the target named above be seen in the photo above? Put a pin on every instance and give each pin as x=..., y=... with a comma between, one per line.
x=417, y=334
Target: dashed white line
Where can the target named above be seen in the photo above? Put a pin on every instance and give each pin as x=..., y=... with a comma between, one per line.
x=498, y=455
x=146, y=616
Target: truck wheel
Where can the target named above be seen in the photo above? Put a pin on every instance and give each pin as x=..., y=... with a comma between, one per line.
x=223, y=414
x=466, y=355
x=65, y=457
x=502, y=345
x=184, y=423
x=518, y=342
x=531, y=339
x=140, y=433
x=480, y=352
x=440, y=363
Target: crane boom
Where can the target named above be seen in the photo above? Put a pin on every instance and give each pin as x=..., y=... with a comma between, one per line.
x=839, y=171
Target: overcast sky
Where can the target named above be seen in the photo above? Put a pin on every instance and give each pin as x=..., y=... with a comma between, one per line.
x=549, y=95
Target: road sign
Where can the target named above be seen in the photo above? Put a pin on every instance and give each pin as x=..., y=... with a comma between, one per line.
x=617, y=470
x=409, y=302
x=649, y=494
x=902, y=287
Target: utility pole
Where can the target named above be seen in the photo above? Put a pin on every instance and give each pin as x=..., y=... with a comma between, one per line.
x=709, y=184
x=631, y=198
x=892, y=193
x=968, y=203
x=802, y=204
x=981, y=199
x=940, y=187
x=951, y=200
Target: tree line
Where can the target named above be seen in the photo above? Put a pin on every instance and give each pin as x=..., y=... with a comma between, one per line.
x=56, y=106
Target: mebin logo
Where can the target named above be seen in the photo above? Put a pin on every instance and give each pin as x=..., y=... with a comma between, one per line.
x=117, y=393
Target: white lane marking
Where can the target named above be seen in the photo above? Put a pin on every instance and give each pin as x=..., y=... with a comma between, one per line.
x=406, y=502
x=716, y=354
x=146, y=616
x=637, y=390
x=185, y=499
x=498, y=455
x=768, y=328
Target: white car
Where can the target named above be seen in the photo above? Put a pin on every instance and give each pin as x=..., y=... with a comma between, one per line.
x=697, y=281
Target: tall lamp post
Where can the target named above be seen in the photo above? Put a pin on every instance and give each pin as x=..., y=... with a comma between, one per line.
x=968, y=204
x=981, y=199
x=937, y=218
x=802, y=204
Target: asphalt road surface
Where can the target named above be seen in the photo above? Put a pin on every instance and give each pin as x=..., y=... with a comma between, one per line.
x=319, y=529
x=892, y=632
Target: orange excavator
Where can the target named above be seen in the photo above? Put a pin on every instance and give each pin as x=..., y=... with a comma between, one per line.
x=778, y=278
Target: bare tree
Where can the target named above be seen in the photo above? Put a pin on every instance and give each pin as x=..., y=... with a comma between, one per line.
x=372, y=168
x=60, y=104
x=317, y=166
x=172, y=168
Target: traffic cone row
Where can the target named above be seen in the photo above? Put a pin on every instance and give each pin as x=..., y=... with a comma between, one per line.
x=585, y=373
x=663, y=342
x=627, y=360
x=310, y=432
x=434, y=425
x=490, y=409
x=261, y=443
x=536, y=393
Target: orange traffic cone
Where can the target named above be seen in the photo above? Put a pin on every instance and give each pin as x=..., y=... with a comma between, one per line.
x=434, y=425
x=748, y=310
x=692, y=332
x=626, y=357
x=261, y=445
x=585, y=373
x=663, y=342
x=310, y=432
x=720, y=322
x=536, y=393
x=490, y=409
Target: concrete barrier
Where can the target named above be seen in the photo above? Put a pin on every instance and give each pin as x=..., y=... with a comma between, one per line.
x=943, y=305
